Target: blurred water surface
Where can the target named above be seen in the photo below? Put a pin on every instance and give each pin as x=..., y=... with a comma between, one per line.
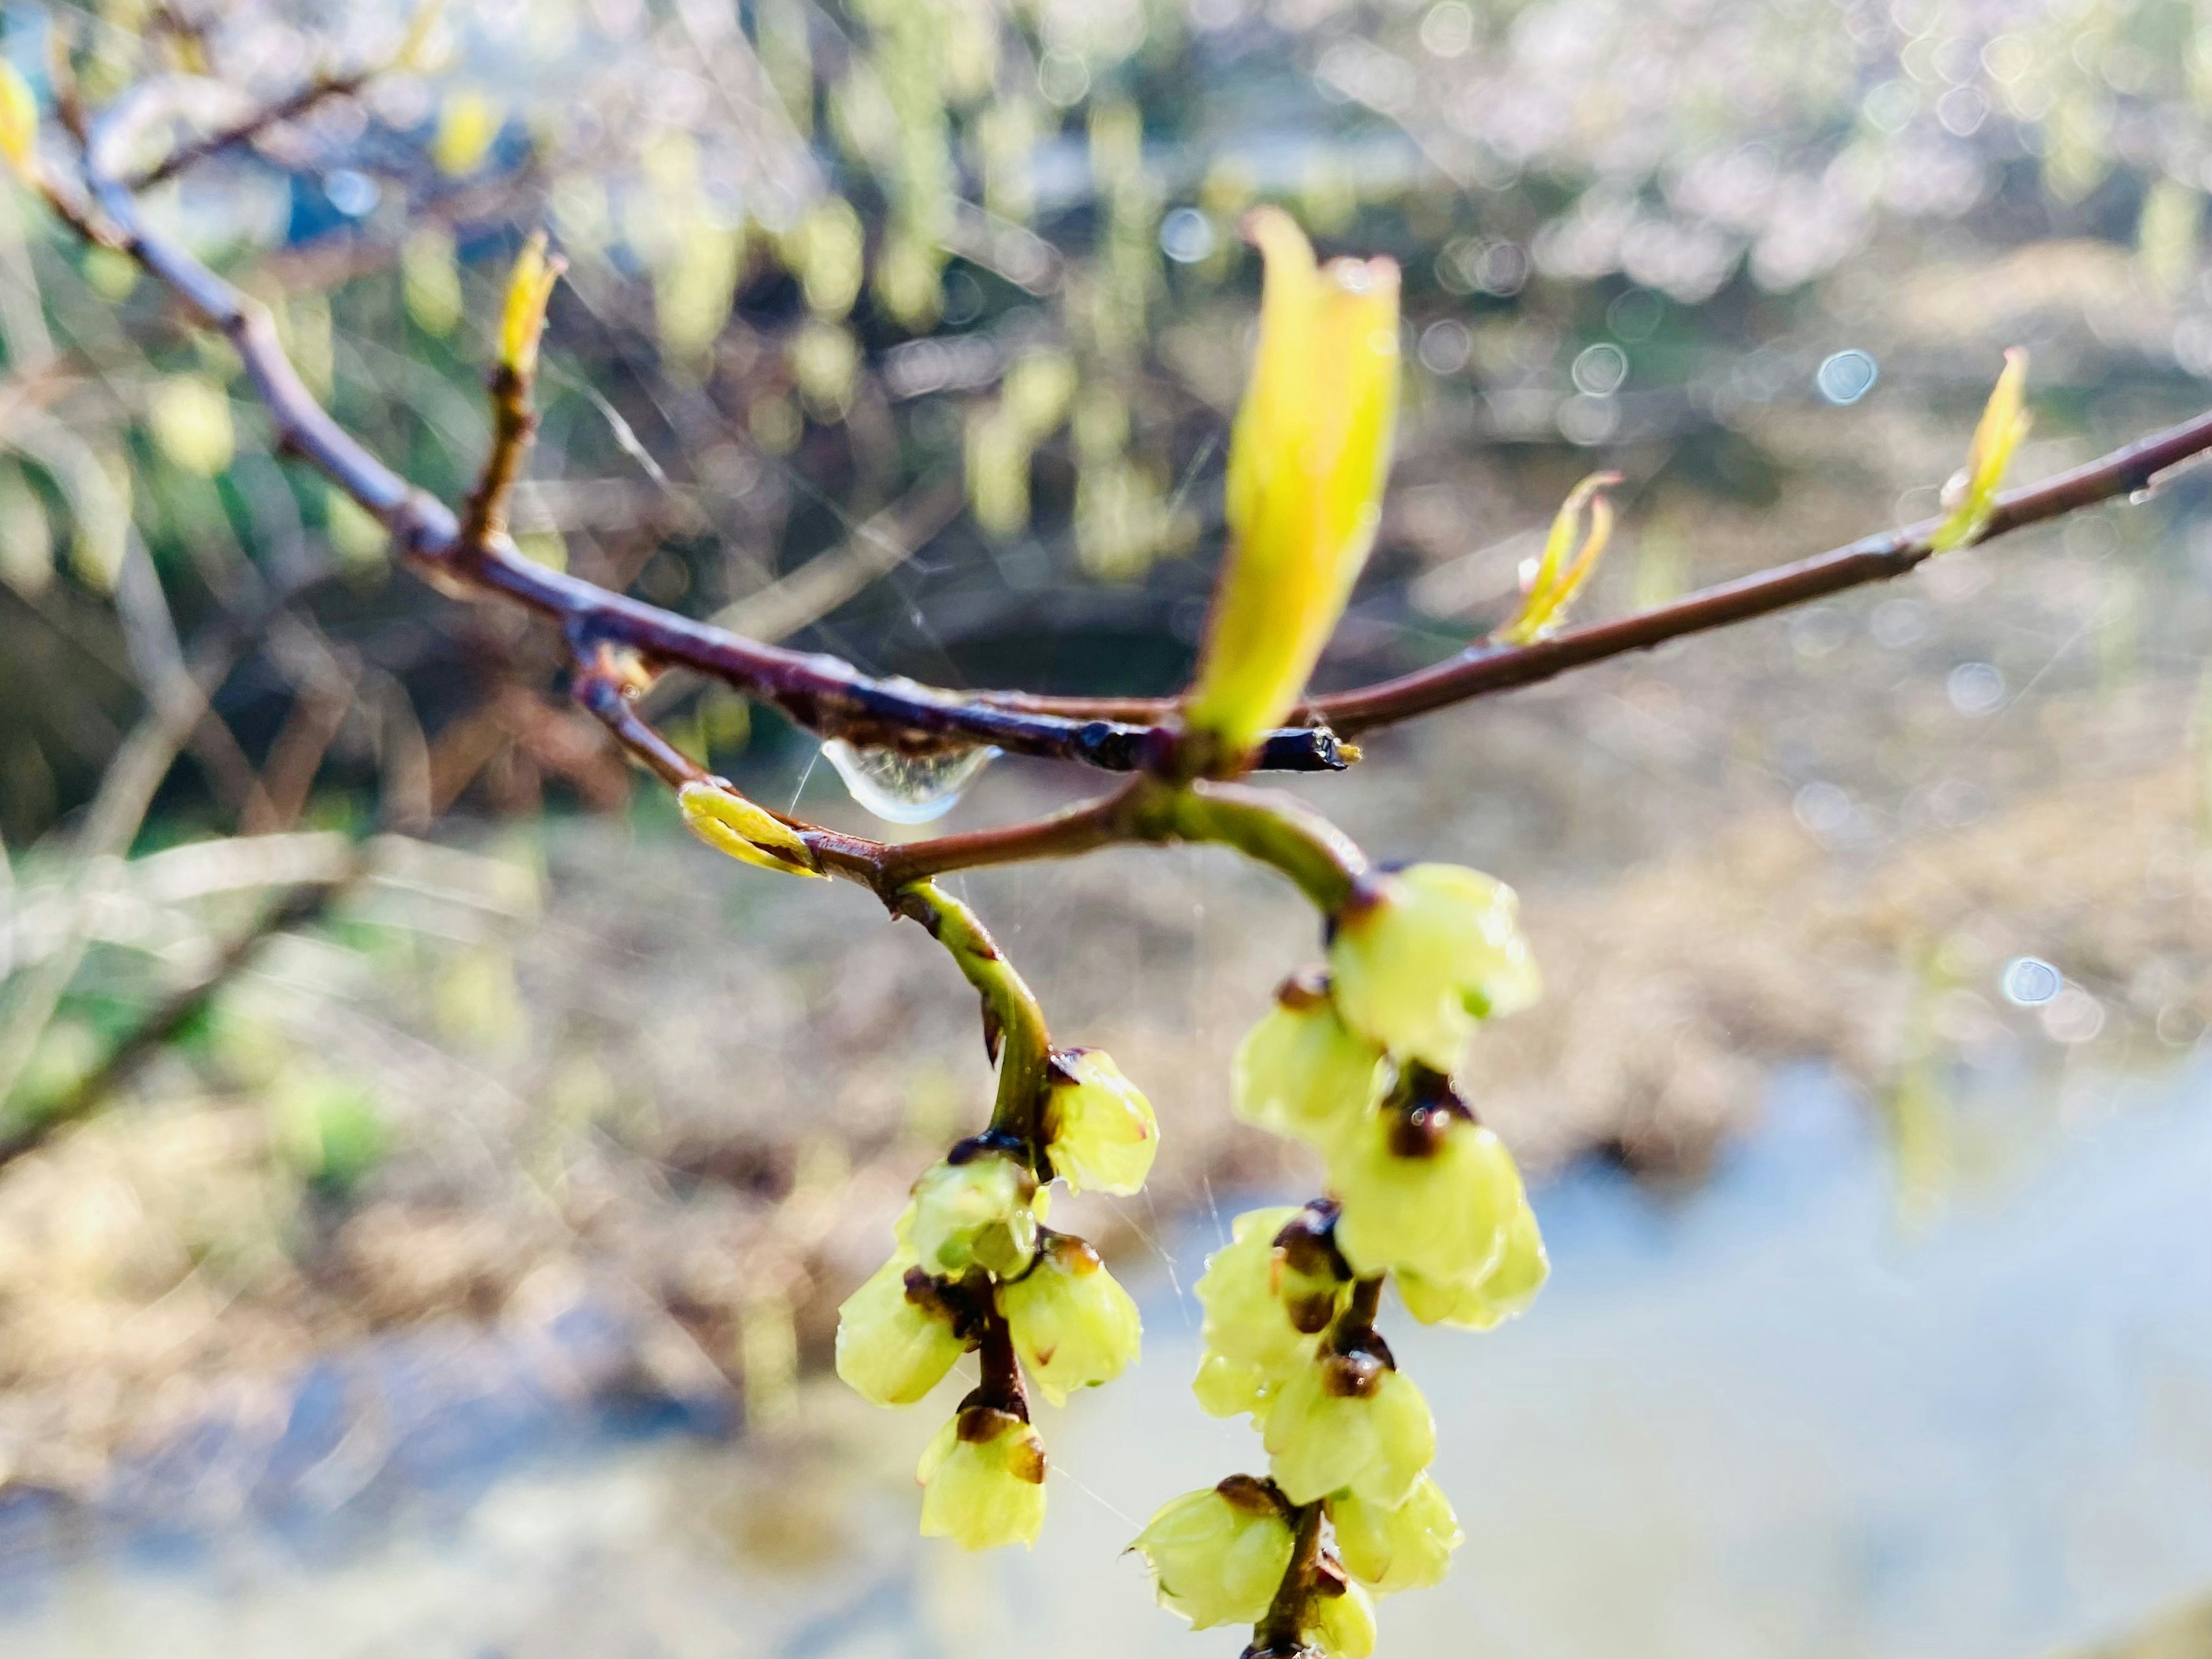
x=1763, y=1419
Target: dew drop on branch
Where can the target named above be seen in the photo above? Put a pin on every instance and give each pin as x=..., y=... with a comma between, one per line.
x=905, y=788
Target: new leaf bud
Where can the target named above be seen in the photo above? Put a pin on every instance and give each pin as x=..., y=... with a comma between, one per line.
x=1348, y=1420
x=1217, y=1556
x=1388, y=1549
x=1498, y=1296
x=982, y=1480
x=1431, y=950
x=1100, y=1131
x=895, y=1340
x=1341, y=1625
x=730, y=823
x=976, y=1212
x=1072, y=1325
x=1425, y=1190
x=1301, y=1070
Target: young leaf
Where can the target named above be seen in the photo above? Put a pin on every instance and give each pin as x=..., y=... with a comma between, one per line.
x=1306, y=464
x=1562, y=569
x=528, y=292
x=1971, y=496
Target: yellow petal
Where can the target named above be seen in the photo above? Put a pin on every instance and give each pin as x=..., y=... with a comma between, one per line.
x=528, y=291
x=1307, y=460
x=730, y=823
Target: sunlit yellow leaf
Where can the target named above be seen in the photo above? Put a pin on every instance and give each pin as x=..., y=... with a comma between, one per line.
x=19, y=121
x=468, y=126
x=1971, y=496
x=1307, y=460
x=730, y=823
x=1562, y=569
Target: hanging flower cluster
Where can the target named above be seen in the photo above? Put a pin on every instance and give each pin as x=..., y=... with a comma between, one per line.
x=976, y=1268
x=1355, y=1060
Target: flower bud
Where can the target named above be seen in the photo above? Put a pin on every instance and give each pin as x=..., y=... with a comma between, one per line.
x=1217, y=1556
x=895, y=1340
x=982, y=1480
x=1498, y=1296
x=1100, y=1133
x=1251, y=1346
x=1311, y=1275
x=1300, y=1071
x=1431, y=949
x=1072, y=1325
x=975, y=1212
x=1425, y=1190
x=522, y=320
x=1408, y=1547
x=1340, y=1626
x=1349, y=1420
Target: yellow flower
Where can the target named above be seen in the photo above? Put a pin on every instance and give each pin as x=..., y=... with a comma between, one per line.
x=1100, y=1133
x=1251, y=1346
x=1349, y=1420
x=1388, y=1549
x=1306, y=464
x=977, y=1212
x=1482, y=1303
x=1425, y=952
x=1340, y=1626
x=1425, y=1190
x=1301, y=1070
x=982, y=1480
x=1217, y=1556
x=1072, y=1325
x=730, y=823
x=894, y=1346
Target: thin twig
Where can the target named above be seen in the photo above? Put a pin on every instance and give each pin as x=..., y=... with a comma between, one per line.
x=249, y=127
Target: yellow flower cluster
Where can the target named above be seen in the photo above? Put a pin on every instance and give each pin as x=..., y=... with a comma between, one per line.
x=976, y=1268
x=1355, y=1059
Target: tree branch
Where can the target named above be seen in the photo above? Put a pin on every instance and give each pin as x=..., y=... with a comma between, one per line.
x=823, y=693
x=249, y=127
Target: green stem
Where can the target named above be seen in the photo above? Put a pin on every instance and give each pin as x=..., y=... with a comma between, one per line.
x=1014, y=1021
x=1270, y=829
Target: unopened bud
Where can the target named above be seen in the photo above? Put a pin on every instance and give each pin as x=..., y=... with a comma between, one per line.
x=1301, y=1070
x=1377, y=1442
x=982, y=1479
x=893, y=1347
x=1073, y=1325
x=977, y=1212
x=1425, y=953
x=1100, y=1131
x=1217, y=1556
x=1408, y=1547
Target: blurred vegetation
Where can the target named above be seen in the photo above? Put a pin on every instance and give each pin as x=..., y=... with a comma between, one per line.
x=826, y=260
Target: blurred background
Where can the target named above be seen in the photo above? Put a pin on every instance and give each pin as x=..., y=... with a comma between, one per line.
x=428, y=1178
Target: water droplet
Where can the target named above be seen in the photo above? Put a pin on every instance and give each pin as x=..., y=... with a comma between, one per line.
x=905, y=788
x=2030, y=982
x=1846, y=377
